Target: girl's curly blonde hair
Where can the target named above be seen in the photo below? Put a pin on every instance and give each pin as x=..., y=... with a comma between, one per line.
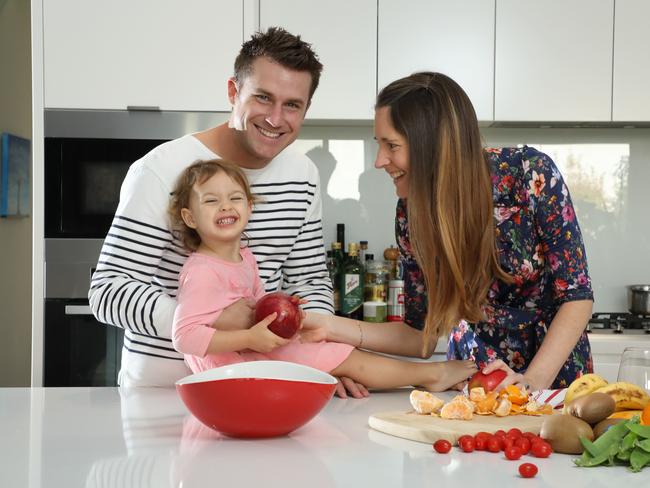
x=198, y=173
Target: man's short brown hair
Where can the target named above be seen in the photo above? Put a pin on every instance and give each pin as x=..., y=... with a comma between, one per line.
x=282, y=47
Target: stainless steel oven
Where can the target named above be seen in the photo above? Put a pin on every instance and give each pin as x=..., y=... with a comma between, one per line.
x=78, y=350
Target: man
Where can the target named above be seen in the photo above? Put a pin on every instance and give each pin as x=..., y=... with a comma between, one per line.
x=135, y=283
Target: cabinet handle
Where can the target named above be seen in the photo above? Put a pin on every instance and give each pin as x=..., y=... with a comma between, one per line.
x=143, y=108
x=78, y=310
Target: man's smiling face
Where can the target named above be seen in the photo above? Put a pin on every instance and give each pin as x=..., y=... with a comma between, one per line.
x=269, y=107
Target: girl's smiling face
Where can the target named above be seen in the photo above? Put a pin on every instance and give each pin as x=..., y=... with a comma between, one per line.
x=219, y=210
x=393, y=151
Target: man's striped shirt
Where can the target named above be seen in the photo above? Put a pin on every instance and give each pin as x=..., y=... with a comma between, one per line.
x=136, y=280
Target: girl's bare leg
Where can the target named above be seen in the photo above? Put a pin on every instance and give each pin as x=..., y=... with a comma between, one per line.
x=375, y=371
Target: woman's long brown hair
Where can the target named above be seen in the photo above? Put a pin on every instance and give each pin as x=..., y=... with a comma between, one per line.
x=450, y=210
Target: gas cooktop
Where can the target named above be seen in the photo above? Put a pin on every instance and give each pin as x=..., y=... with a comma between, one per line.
x=619, y=323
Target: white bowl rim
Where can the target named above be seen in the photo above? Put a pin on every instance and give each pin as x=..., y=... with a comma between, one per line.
x=270, y=370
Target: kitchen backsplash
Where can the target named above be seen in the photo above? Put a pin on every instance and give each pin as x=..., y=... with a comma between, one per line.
x=607, y=170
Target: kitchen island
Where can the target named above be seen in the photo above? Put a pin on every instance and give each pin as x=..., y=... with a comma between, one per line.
x=145, y=437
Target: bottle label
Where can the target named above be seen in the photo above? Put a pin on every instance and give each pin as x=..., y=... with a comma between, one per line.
x=352, y=298
x=374, y=311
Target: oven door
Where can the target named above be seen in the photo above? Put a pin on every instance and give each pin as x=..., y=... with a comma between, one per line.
x=83, y=178
x=78, y=350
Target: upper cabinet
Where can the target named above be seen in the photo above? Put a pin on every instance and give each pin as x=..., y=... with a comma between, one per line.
x=152, y=53
x=554, y=60
x=631, y=94
x=344, y=35
x=454, y=38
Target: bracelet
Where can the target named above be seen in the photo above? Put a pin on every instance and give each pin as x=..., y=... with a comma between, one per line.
x=360, y=333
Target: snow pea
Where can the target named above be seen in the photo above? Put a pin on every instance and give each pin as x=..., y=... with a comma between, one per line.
x=644, y=444
x=613, y=436
x=638, y=459
x=599, y=459
x=629, y=441
x=640, y=430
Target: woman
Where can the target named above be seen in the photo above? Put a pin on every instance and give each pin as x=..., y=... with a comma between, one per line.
x=489, y=242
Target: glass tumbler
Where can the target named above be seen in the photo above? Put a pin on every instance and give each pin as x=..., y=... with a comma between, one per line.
x=635, y=367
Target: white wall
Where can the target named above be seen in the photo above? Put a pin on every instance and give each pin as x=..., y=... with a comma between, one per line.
x=611, y=196
x=15, y=234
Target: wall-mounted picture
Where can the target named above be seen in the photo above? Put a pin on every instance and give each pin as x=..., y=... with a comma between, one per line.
x=15, y=199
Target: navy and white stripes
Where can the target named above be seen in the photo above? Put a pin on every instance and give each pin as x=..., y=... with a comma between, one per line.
x=136, y=280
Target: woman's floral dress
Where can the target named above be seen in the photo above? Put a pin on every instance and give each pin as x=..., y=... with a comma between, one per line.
x=539, y=245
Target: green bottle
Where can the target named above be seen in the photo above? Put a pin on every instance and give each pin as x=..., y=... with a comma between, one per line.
x=351, y=282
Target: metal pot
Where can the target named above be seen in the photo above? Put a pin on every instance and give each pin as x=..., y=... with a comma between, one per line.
x=638, y=299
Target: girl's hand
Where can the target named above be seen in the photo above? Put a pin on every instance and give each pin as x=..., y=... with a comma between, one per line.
x=261, y=339
x=512, y=378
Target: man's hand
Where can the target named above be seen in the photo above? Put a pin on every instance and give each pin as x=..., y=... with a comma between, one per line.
x=237, y=316
x=346, y=385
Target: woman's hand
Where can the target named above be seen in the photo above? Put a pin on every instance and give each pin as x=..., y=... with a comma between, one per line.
x=313, y=327
x=261, y=339
x=512, y=378
x=347, y=386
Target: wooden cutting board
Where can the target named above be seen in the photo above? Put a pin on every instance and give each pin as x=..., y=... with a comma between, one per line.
x=428, y=428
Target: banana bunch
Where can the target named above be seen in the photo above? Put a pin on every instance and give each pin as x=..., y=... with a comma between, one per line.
x=584, y=385
x=627, y=396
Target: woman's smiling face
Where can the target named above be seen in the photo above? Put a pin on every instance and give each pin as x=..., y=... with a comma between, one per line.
x=393, y=151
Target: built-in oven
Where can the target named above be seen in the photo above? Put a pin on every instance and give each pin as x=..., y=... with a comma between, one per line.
x=83, y=177
x=78, y=350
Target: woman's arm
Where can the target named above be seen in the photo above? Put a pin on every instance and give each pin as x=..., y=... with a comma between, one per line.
x=388, y=337
x=563, y=334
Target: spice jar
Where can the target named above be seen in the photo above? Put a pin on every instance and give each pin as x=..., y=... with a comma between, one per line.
x=375, y=291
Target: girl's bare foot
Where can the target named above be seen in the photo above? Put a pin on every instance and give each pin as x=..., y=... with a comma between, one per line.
x=446, y=374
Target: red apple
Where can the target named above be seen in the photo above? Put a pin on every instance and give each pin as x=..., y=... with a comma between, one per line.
x=288, y=320
x=488, y=381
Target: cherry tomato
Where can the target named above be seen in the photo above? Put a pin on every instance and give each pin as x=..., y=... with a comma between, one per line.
x=500, y=433
x=463, y=437
x=480, y=443
x=541, y=449
x=529, y=435
x=483, y=435
x=523, y=444
x=515, y=432
x=507, y=442
x=513, y=453
x=467, y=445
x=442, y=446
x=493, y=444
x=527, y=470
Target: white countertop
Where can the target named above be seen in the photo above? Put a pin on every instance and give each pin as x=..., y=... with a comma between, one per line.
x=107, y=437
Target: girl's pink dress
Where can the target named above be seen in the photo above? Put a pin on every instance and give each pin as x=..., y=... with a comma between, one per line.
x=207, y=285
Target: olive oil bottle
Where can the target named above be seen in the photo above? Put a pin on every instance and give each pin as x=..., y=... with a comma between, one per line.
x=335, y=266
x=351, y=285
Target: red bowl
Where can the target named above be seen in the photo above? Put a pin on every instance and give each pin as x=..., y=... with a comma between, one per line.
x=257, y=398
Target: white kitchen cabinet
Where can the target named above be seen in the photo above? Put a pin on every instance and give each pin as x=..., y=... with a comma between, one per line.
x=454, y=38
x=344, y=35
x=162, y=53
x=554, y=60
x=631, y=94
